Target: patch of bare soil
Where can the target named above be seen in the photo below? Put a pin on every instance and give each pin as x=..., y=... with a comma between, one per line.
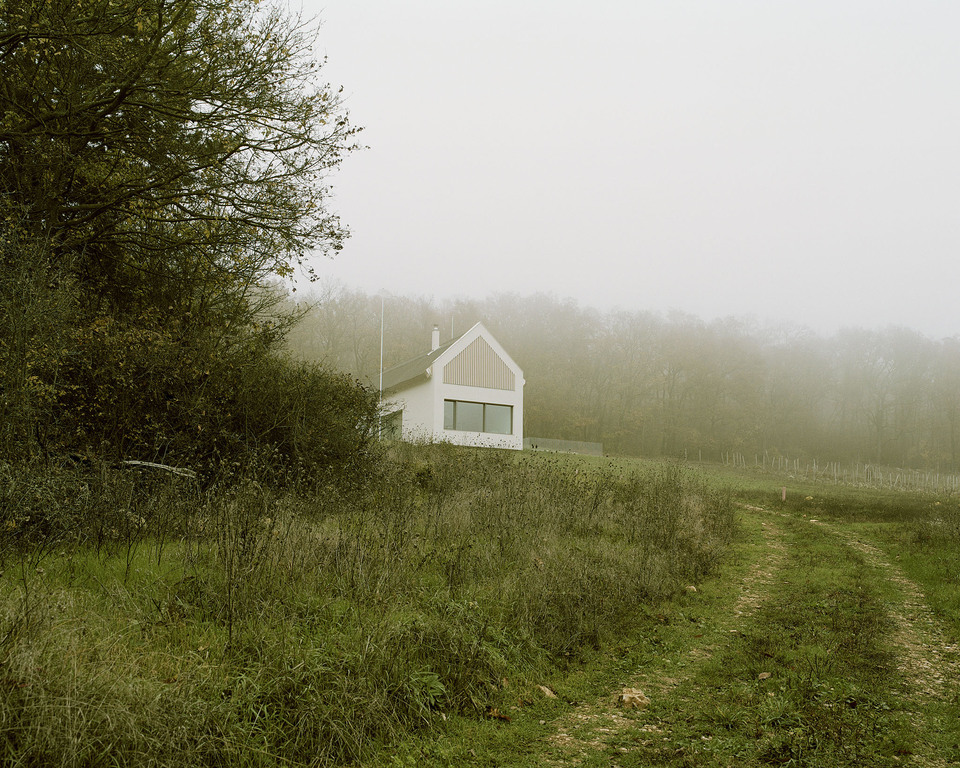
x=590, y=726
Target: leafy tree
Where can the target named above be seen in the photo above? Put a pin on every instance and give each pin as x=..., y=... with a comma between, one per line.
x=165, y=146
x=160, y=160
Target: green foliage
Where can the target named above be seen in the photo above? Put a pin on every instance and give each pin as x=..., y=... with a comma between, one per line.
x=160, y=163
x=36, y=312
x=133, y=392
x=320, y=424
x=262, y=626
x=167, y=147
x=811, y=648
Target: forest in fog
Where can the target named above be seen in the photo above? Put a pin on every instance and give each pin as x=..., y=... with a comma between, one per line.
x=674, y=385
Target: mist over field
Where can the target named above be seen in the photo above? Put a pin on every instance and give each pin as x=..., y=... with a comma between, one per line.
x=644, y=383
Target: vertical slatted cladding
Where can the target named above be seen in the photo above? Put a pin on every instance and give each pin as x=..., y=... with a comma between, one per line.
x=479, y=366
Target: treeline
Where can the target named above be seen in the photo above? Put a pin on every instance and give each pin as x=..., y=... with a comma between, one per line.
x=646, y=384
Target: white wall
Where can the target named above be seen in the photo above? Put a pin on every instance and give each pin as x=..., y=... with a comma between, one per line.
x=422, y=407
x=417, y=403
x=423, y=404
x=479, y=395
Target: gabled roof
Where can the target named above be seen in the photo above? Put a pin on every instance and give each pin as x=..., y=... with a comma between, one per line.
x=414, y=371
x=409, y=372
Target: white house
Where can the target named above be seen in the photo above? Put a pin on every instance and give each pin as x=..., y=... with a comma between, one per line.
x=468, y=391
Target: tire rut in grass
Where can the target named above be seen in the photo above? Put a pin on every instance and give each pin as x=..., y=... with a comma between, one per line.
x=804, y=681
x=586, y=734
x=927, y=664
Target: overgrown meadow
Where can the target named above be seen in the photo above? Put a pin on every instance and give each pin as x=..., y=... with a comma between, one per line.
x=145, y=619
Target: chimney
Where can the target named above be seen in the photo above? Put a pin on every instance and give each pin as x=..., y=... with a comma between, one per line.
x=435, y=339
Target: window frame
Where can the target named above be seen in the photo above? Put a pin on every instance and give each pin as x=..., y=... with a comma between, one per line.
x=450, y=416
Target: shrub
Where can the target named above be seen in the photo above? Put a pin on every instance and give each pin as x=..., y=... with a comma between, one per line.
x=137, y=391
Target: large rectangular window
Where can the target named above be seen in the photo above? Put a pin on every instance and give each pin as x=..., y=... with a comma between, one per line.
x=478, y=417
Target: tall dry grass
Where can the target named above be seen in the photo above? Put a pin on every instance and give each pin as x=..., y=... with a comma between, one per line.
x=144, y=622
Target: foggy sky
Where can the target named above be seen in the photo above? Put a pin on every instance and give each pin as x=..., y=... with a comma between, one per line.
x=791, y=161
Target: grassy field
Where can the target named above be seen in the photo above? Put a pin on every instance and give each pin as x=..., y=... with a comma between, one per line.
x=828, y=637
x=477, y=608
x=144, y=621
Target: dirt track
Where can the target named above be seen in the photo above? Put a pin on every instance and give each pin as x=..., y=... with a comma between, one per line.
x=926, y=665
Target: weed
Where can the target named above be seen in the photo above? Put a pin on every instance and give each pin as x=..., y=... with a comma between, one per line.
x=145, y=619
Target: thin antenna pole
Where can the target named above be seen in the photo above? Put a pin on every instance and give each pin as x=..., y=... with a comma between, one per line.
x=380, y=395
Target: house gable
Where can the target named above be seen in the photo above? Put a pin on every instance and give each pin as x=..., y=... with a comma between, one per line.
x=468, y=391
x=479, y=365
